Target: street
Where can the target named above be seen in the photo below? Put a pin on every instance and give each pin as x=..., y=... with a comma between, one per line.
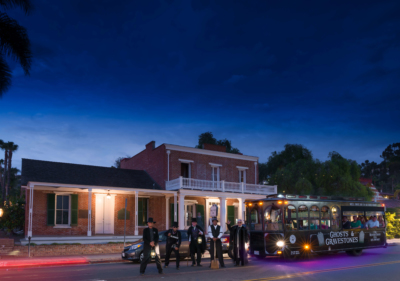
x=375, y=264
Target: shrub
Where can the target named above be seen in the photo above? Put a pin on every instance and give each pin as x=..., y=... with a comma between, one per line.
x=14, y=216
x=392, y=226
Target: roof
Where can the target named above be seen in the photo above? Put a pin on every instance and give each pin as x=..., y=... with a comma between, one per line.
x=391, y=203
x=67, y=173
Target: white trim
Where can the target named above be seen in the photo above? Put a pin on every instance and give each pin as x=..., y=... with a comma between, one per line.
x=215, y=165
x=209, y=152
x=242, y=168
x=185, y=161
x=40, y=185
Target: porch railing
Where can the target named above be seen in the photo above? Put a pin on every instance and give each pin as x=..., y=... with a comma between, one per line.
x=221, y=186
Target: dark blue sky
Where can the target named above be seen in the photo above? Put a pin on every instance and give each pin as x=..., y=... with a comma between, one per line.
x=110, y=76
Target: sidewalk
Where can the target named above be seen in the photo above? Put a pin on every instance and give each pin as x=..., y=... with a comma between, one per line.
x=7, y=262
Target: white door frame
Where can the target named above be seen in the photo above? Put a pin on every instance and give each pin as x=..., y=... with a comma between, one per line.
x=100, y=213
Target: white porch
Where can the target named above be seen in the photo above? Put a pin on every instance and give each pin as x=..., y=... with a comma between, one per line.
x=220, y=186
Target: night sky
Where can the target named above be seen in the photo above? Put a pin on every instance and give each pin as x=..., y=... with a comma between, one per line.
x=110, y=76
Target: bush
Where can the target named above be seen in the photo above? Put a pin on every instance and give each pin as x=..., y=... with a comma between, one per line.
x=14, y=216
x=392, y=226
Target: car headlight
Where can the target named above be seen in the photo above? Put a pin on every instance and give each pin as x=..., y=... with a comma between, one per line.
x=134, y=247
x=280, y=243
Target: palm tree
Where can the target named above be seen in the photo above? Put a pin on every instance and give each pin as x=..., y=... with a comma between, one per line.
x=10, y=148
x=14, y=42
x=2, y=179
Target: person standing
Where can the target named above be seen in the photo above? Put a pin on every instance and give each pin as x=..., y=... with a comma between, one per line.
x=239, y=237
x=150, y=239
x=173, y=243
x=195, y=248
x=215, y=232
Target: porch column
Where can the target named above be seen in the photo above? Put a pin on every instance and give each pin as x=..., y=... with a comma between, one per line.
x=175, y=208
x=222, y=205
x=167, y=212
x=136, y=212
x=89, y=229
x=31, y=187
x=240, y=209
x=181, y=211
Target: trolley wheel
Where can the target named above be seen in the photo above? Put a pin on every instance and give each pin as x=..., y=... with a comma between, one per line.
x=354, y=252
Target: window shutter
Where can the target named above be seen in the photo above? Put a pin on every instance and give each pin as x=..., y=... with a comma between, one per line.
x=231, y=214
x=51, y=205
x=74, y=209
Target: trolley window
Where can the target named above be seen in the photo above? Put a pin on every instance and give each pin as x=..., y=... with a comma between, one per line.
x=290, y=218
x=373, y=216
x=336, y=221
x=272, y=218
x=325, y=218
x=302, y=218
x=354, y=217
x=314, y=217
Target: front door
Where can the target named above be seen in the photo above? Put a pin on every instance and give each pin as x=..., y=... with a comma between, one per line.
x=104, y=215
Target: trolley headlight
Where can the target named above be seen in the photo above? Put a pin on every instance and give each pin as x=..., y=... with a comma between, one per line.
x=280, y=243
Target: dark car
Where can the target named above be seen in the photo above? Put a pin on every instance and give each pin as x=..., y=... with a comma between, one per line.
x=134, y=252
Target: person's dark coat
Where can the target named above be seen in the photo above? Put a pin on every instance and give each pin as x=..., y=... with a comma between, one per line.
x=239, y=254
x=171, y=241
x=203, y=245
x=146, y=238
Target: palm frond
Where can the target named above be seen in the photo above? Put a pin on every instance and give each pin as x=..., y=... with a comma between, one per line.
x=26, y=5
x=5, y=77
x=14, y=42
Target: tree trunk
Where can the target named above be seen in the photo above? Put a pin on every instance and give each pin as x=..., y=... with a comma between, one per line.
x=8, y=173
x=3, y=180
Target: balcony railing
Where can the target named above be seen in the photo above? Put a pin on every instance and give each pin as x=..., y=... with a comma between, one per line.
x=222, y=186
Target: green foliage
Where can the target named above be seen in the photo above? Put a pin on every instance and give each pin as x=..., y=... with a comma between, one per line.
x=14, y=216
x=296, y=172
x=392, y=226
x=208, y=137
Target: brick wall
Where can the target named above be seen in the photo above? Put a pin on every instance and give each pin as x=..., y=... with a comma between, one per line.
x=40, y=227
x=155, y=162
x=65, y=250
x=152, y=160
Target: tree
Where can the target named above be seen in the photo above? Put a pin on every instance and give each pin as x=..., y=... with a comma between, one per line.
x=8, y=148
x=117, y=163
x=14, y=42
x=296, y=172
x=208, y=137
x=4, y=172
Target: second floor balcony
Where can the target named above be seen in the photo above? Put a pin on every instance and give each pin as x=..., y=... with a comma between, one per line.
x=220, y=186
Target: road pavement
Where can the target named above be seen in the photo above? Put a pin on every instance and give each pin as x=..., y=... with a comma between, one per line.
x=374, y=264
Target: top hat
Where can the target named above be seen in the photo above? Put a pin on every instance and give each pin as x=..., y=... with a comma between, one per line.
x=194, y=220
x=214, y=219
x=174, y=224
x=150, y=220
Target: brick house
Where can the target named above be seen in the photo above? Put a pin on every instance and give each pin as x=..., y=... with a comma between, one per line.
x=168, y=182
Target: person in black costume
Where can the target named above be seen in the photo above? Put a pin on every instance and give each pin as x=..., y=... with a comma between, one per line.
x=195, y=248
x=173, y=243
x=238, y=239
x=215, y=232
x=150, y=239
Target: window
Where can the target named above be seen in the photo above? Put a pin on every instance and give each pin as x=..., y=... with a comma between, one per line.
x=185, y=170
x=380, y=217
x=325, y=218
x=336, y=220
x=255, y=223
x=290, y=218
x=302, y=218
x=314, y=217
x=62, y=209
x=242, y=175
x=272, y=218
x=143, y=204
